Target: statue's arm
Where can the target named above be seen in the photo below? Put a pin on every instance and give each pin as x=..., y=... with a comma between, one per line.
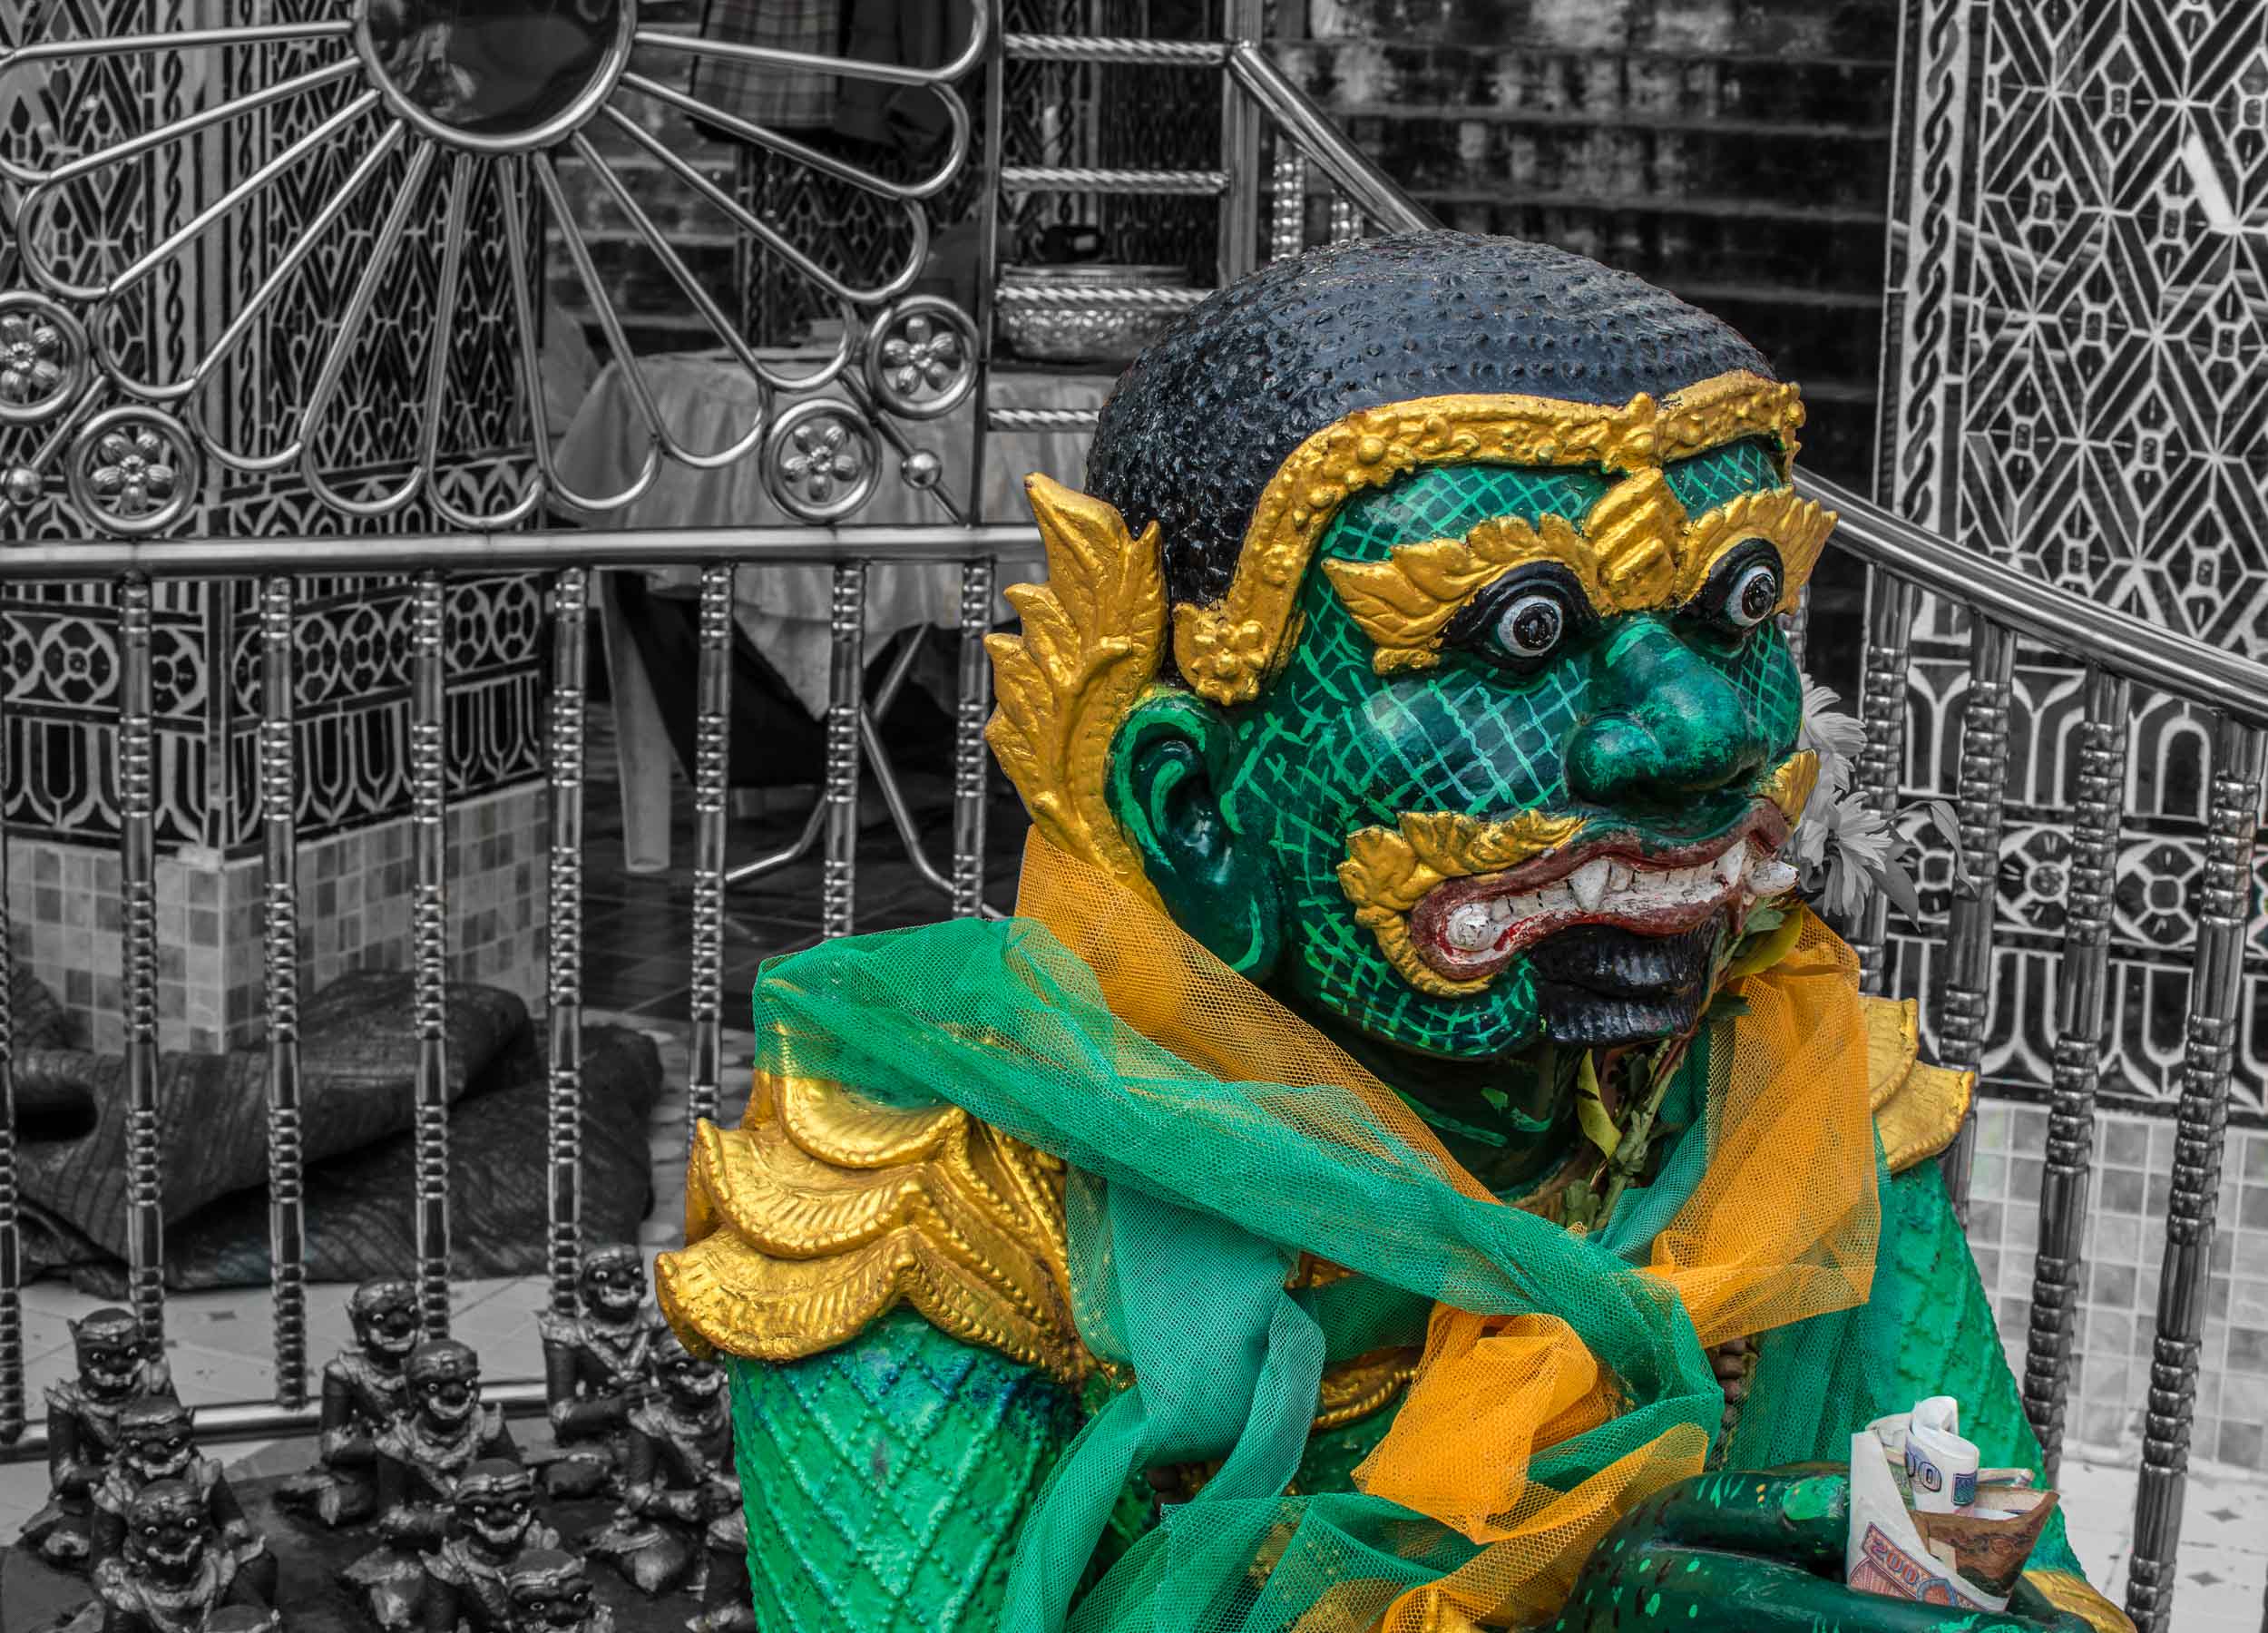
x=1929, y=1327
x=891, y=1473
x=345, y=1439
x=406, y=1515
x=69, y=1472
x=227, y=1513
x=1951, y=1344
x=560, y=1392
x=644, y=1479
x=897, y=1335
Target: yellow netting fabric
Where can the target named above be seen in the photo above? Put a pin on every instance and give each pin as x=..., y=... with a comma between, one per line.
x=1215, y=1137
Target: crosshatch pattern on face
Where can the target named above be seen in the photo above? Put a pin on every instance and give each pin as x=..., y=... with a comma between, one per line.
x=1333, y=747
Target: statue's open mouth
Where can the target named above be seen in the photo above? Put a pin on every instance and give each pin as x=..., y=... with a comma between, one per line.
x=1468, y=929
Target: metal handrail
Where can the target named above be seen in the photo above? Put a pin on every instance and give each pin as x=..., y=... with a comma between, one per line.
x=2158, y=658
x=1297, y=116
x=485, y=553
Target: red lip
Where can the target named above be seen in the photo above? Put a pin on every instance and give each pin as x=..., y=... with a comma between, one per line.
x=1649, y=907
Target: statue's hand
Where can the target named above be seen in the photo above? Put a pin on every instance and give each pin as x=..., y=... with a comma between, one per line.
x=1762, y=1552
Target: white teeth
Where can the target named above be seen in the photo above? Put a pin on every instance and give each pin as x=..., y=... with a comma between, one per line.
x=1770, y=877
x=1589, y=883
x=1616, y=886
x=1472, y=928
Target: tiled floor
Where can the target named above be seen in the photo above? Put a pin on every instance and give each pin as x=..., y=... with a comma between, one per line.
x=636, y=974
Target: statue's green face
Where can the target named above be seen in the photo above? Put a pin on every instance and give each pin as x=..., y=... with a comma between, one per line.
x=1612, y=760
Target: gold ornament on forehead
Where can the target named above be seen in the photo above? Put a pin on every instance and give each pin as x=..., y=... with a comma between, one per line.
x=1227, y=651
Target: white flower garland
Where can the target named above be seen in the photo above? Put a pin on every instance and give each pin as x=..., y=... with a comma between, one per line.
x=1843, y=850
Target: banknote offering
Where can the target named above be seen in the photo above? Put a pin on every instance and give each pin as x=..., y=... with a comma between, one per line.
x=1927, y=1523
x=1941, y=1466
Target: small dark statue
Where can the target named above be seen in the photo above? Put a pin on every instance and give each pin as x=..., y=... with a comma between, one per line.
x=550, y=1592
x=363, y=1394
x=597, y=1365
x=175, y=1574
x=680, y=1523
x=116, y=1367
x=157, y=1442
x=493, y=1526
x=421, y=1457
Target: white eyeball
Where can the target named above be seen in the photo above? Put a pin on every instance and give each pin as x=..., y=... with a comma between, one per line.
x=1753, y=595
x=1531, y=626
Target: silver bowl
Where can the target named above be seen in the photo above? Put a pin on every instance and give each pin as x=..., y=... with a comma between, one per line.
x=1042, y=320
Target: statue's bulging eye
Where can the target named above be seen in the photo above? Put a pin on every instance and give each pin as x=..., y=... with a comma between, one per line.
x=1524, y=619
x=1531, y=626
x=1753, y=596
x=1744, y=589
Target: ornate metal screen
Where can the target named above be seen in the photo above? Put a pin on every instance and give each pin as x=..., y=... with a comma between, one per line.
x=61, y=639
x=2078, y=321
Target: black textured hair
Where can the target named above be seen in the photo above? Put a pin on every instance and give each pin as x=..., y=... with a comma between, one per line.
x=1197, y=428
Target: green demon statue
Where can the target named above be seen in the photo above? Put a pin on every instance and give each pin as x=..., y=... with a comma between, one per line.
x=1414, y=1161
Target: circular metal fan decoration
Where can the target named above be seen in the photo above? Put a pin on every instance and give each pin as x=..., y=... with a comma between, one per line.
x=145, y=172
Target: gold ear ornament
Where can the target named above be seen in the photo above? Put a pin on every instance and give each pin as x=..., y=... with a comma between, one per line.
x=1093, y=638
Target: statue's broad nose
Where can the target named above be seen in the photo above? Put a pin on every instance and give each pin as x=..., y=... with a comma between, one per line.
x=1667, y=723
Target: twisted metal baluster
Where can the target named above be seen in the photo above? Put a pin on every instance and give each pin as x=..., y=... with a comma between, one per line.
x=11, y=1231
x=280, y=940
x=2086, y=970
x=1978, y=790
x=1346, y=221
x=570, y=624
x=429, y=938
x=972, y=763
x=846, y=680
x=712, y=738
x=137, y=886
x=2208, y=1054
x=1287, y=223
x=1796, y=625
x=1890, y=614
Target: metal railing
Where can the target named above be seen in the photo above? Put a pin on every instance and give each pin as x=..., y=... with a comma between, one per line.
x=1904, y=561
x=2119, y=653
x=851, y=554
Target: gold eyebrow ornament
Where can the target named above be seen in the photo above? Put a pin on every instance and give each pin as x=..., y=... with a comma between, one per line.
x=1636, y=551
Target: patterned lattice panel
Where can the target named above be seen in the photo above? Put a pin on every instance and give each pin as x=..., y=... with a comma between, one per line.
x=2076, y=302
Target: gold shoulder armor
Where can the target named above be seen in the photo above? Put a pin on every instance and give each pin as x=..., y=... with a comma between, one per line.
x=1918, y=1107
x=823, y=1212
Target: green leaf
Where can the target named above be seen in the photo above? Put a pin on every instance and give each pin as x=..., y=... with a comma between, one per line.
x=1590, y=1111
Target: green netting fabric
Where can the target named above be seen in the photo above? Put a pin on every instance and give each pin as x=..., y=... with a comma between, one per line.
x=1563, y=1376
x=1191, y=1200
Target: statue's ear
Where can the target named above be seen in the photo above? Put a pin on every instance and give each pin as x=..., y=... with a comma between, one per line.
x=1169, y=766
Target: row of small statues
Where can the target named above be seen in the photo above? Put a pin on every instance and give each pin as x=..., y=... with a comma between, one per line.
x=407, y=1446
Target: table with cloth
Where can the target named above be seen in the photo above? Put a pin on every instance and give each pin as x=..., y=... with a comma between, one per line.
x=708, y=401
